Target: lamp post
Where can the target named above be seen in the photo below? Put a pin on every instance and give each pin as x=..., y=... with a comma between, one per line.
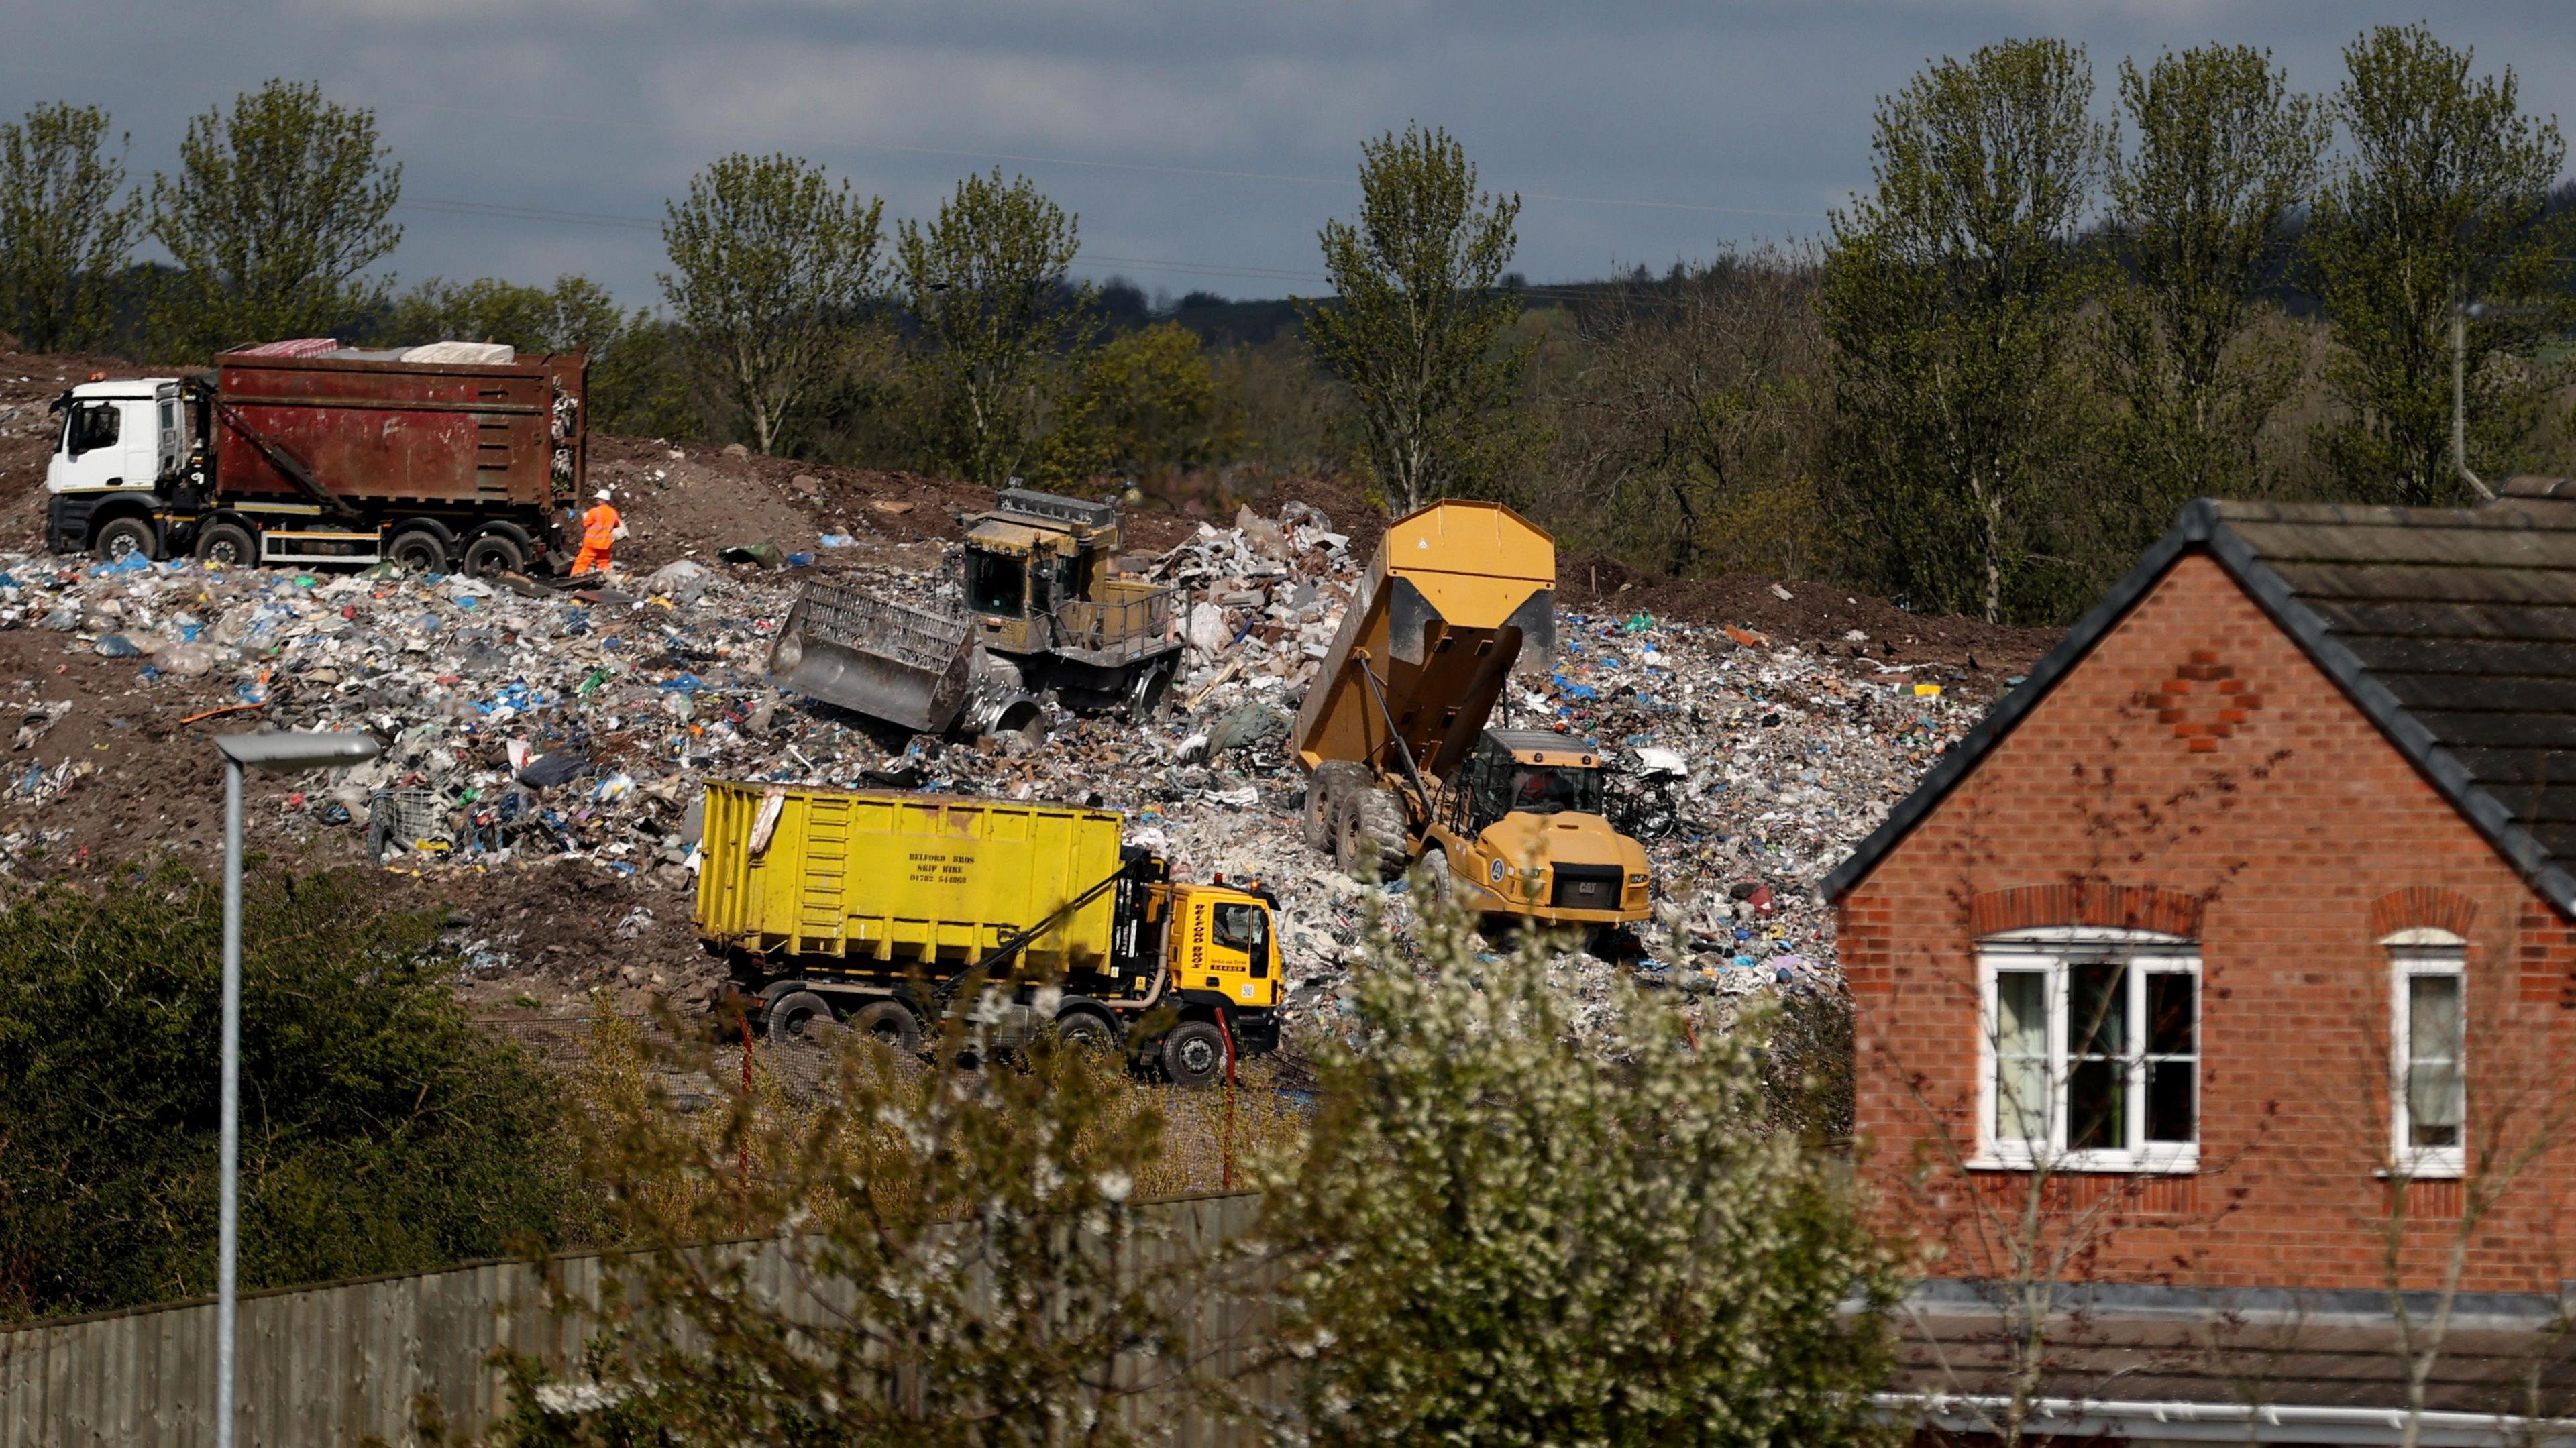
x=284, y=752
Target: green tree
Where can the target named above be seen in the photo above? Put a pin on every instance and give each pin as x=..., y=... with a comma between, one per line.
x=381, y=1132
x=773, y=270
x=2442, y=203
x=986, y=279
x=1145, y=407
x=639, y=379
x=2226, y=152
x=1418, y=326
x=276, y=210
x=1509, y=1231
x=1951, y=294
x=1694, y=428
x=976, y=1232
x=574, y=312
x=65, y=228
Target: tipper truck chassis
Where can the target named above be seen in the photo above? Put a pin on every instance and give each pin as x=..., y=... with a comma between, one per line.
x=871, y=906
x=338, y=456
x=1042, y=607
x=1392, y=733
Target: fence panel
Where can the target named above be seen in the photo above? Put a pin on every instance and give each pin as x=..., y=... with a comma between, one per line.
x=332, y=1365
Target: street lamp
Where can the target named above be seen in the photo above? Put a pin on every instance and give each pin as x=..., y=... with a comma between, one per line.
x=284, y=752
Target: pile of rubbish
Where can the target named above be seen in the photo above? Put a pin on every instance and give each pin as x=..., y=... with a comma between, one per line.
x=525, y=723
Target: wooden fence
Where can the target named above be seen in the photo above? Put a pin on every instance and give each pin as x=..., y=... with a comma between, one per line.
x=335, y=1365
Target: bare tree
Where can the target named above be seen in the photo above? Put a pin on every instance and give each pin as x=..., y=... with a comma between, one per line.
x=1698, y=417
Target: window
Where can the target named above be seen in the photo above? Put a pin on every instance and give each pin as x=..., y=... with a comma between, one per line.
x=2428, y=1089
x=2091, y=1051
x=996, y=583
x=92, y=425
x=1243, y=927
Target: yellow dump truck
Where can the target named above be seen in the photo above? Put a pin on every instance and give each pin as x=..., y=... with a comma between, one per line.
x=869, y=907
x=1392, y=734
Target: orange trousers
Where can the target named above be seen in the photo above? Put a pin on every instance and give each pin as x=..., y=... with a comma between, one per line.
x=591, y=560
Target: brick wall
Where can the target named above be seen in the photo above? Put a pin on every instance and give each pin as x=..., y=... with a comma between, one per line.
x=2197, y=775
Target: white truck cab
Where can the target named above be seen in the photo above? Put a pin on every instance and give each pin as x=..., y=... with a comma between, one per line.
x=116, y=436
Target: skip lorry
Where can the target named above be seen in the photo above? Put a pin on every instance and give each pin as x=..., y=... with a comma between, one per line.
x=868, y=907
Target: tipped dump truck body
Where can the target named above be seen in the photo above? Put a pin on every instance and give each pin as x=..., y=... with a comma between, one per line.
x=1393, y=734
x=871, y=904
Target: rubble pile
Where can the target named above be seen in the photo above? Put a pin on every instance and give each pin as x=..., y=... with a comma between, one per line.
x=526, y=725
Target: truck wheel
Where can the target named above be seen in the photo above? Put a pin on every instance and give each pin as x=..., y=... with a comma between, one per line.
x=791, y=1016
x=229, y=544
x=1331, y=779
x=1149, y=697
x=493, y=554
x=1087, y=1031
x=891, y=1022
x=1369, y=843
x=115, y=540
x=418, y=550
x=1436, y=877
x=1193, y=1053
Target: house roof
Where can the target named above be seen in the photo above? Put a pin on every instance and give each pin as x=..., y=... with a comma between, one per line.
x=2454, y=630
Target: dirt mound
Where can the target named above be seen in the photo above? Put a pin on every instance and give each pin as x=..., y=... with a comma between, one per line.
x=1817, y=616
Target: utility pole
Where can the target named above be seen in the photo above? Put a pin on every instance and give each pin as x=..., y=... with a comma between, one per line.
x=2460, y=314
x=284, y=751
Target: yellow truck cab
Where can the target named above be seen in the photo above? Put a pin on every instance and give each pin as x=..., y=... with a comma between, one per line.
x=870, y=907
x=1522, y=831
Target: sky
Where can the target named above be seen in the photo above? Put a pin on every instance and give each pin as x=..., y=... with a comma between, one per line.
x=1200, y=144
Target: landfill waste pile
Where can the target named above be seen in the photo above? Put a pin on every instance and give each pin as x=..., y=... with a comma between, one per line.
x=545, y=750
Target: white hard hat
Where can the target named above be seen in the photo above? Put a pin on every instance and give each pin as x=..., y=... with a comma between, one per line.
x=601, y=495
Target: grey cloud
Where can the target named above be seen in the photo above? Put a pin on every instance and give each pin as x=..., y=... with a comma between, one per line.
x=1720, y=112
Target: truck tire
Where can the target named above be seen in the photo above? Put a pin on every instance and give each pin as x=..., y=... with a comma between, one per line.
x=889, y=1021
x=1442, y=885
x=122, y=536
x=788, y=1019
x=1370, y=839
x=493, y=554
x=1193, y=1053
x=1331, y=779
x=229, y=544
x=1088, y=1030
x=418, y=549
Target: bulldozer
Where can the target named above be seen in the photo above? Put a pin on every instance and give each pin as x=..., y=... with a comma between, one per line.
x=1040, y=606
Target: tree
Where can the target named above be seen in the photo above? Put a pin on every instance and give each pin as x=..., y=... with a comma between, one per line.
x=65, y=231
x=1698, y=418
x=986, y=278
x=1501, y=1233
x=2226, y=153
x=1145, y=406
x=773, y=270
x=574, y=312
x=2443, y=203
x=381, y=1132
x=969, y=1261
x=1417, y=325
x=1951, y=294
x=276, y=210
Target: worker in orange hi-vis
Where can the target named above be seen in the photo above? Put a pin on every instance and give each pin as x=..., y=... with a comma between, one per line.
x=600, y=530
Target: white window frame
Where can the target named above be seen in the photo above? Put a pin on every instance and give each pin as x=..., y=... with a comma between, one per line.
x=2052, y=950
x=2423, y=951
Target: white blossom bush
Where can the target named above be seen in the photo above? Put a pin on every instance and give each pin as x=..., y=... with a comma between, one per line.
x=1501, y=1235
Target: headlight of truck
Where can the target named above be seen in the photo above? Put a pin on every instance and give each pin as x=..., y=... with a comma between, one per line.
x=1636, y=879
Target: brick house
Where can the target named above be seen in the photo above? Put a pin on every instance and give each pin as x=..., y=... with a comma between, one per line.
x=2225, y=978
